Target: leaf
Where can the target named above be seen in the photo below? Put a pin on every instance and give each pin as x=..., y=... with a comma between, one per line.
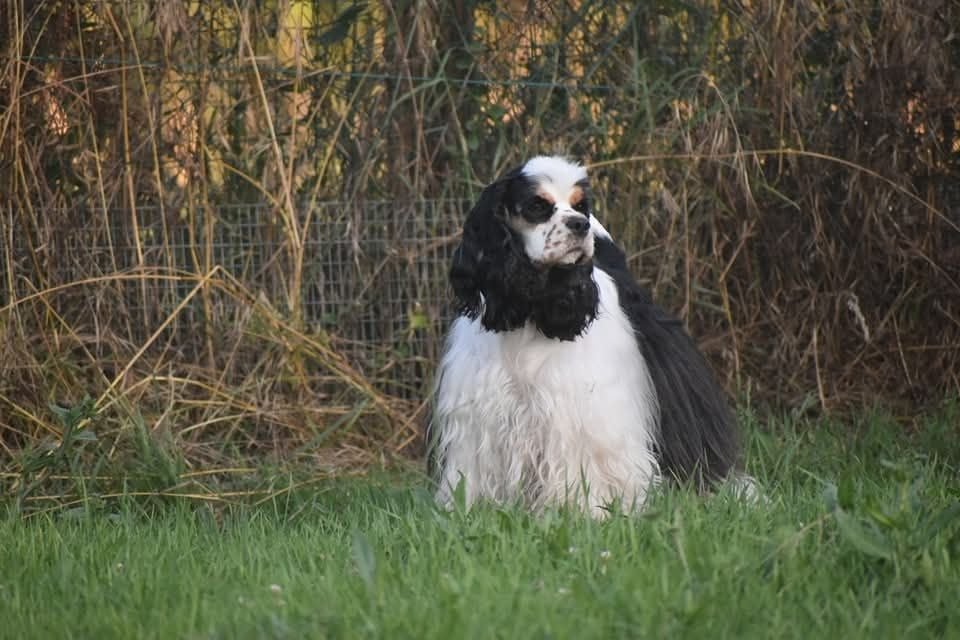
x=830, y=496
x=343, y=423
x=915, y=495
x=942, y=520
x=63, y=414
x=70, y=417
x=299, y=15
x=881, y=518
x=417, y=319
x=460, y=495
x=85, y=435
x=560, y=539
x=865, y=540
x=341, y=26
x=294, y=24
x=506, y=520
x=38, y=458
x=364, y=558
x=899, y=469
x=496, y=113
x=845, y=493
x=75, y=513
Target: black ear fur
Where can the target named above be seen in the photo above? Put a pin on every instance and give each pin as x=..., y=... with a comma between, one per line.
x=483, y=231
x=493, y=278
x=487, y=251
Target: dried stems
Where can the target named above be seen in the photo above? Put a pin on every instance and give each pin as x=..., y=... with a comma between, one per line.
x=760, y=181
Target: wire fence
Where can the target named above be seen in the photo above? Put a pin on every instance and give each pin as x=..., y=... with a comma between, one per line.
x=374, y=278
x=380, y=120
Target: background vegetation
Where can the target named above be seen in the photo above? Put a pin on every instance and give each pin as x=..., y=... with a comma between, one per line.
x=225, y=225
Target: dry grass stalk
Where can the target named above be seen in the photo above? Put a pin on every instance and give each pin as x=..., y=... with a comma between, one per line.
x=784, y=176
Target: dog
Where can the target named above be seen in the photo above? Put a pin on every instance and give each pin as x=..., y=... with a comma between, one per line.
x=561, y=381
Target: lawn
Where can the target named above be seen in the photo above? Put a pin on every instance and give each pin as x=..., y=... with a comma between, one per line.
x=858, y=538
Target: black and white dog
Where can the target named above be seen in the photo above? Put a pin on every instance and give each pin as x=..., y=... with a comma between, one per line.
x=561, y=380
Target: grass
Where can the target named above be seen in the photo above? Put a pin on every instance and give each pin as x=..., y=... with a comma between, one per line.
x=858, y=539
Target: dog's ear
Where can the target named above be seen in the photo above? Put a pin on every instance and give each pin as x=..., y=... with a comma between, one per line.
x=483, y=252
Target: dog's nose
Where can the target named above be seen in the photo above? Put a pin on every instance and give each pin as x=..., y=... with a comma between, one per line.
x=579, y=225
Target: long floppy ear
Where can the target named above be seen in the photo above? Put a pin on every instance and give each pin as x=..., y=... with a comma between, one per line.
x=485, y=252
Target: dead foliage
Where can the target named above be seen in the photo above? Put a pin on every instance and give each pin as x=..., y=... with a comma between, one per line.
x=187, y=198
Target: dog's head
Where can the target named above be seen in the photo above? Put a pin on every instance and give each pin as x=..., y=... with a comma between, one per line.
x=547, y=203
x=527, y=251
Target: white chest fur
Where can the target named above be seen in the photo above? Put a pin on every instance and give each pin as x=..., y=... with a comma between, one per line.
x=521, y=417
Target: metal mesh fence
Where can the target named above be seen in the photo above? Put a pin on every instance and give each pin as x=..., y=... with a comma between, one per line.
x=380, y=121
x=374, y=277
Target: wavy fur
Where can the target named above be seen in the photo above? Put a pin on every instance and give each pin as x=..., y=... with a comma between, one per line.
x=564, y=382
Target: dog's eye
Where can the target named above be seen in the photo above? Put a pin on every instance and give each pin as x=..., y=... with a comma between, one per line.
x=537, y=209
x=583, y=207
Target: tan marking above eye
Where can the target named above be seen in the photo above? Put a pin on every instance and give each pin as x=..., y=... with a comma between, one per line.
x=546, y=196
x=576, y=196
